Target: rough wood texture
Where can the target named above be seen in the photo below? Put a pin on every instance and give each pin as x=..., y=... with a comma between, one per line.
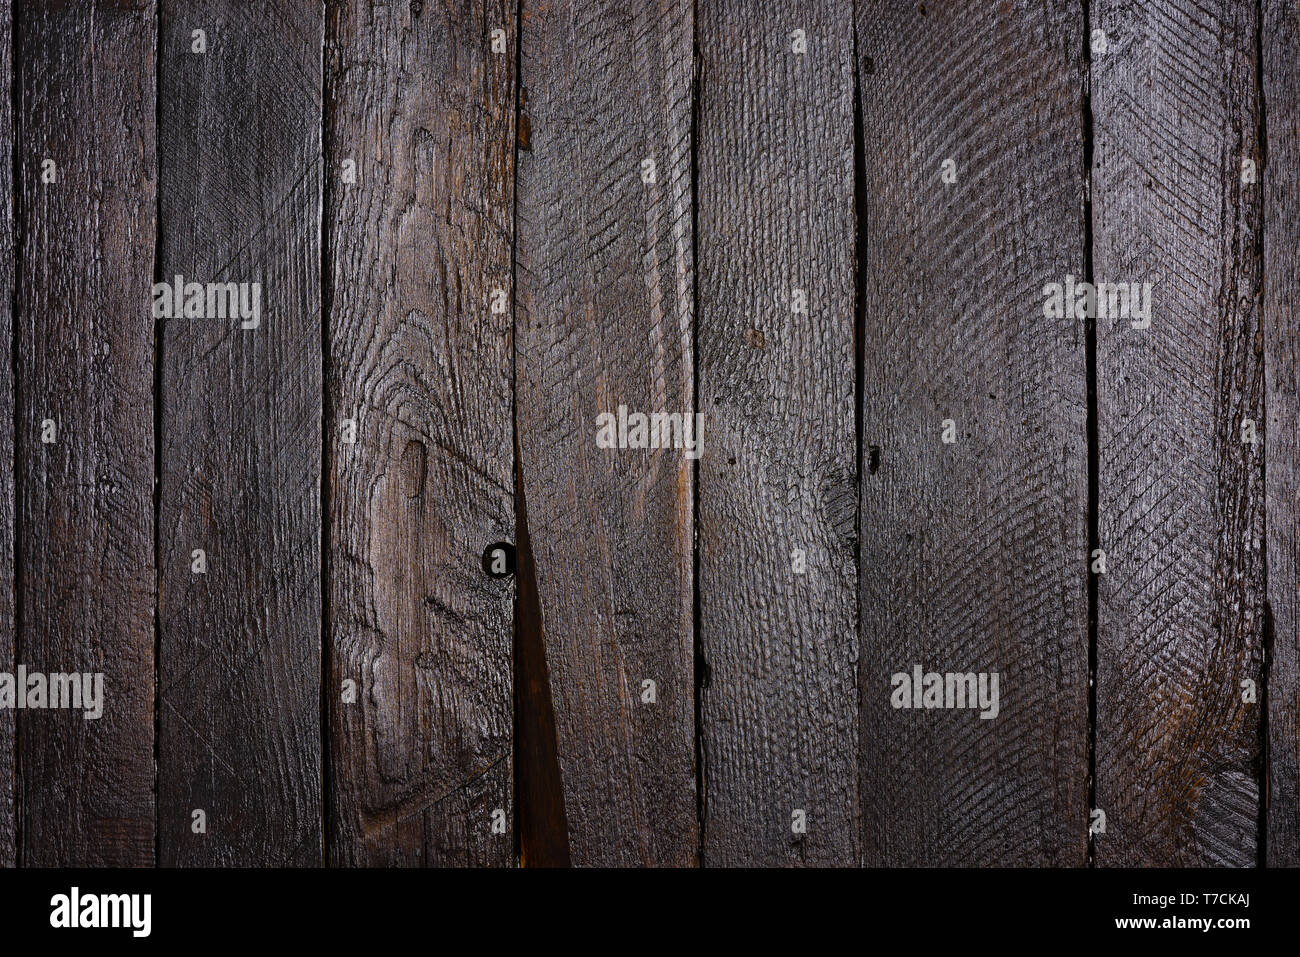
x=240, y=646
x=776, y=382
x=604, y=317
x=422, y=364
x=835, y=260
x=8, y=834
x=85, y=360
x=1181, y=605
x=1280, y=38
x=972, y=553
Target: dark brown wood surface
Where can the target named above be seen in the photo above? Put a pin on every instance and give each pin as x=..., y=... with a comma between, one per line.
x=1280, y=158
x=973, y=553
x=421, y=362
x=604, y=318
x=462, y=255
x=539, y=792
x=239, y=707
x=84, y=360
x=777, y=482
x=8, y=848
x=1181, y=605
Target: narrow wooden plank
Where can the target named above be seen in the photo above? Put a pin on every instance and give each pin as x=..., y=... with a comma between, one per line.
x=240, y=645
x=604, y=318
x=420, y=364
x=973, y=551
x=84, y=379
x=1181, y=498
x=1280, y=40
x=778, y=488
x=8, y=834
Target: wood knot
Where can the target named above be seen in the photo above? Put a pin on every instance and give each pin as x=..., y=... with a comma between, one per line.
x=415, y=464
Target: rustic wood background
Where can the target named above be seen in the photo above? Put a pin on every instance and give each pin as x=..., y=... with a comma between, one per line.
x=498, y=272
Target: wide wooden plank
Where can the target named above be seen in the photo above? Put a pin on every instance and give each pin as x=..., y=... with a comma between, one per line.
x=1280, y=36
x=420, y=220
x=972, y=549
x=605, y=319
x=8, y=834
x=1181, y=499
x=240, y=644
x=778, y=483
x=84, y=375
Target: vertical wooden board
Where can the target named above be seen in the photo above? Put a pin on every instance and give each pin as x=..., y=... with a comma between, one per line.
x=604, y=318
x=239, y=646
x=972, y=552
x=1280, y=39
x=8, y=849
x=777, y=483
x=1180, y=508
x=420, y=362
x=85, y=362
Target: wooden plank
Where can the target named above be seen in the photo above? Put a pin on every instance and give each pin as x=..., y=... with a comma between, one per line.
x=778, y=483
x=85, y=364
x=8, y=833
x=421, y=364
x=972, y=552
x=1181, y=604
x=240, y=645
x=1280, y=42
x=604, y=318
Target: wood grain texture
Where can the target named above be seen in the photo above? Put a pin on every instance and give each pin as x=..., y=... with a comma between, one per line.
x=604, y=317
x=8, y=833
x=973, y=553
x=240, y=646
x=1181, y=606
x=85, y=360
x=1280, y=47
x=779, y=711
x=423, y=365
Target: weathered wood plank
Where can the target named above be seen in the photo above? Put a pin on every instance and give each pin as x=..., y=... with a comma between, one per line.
x=973, y=552
x=420, y=363
x=1280, y=39
x=604, y=318
x=8, y=834
x=778, y=490
x=240, y=645
x=1181, y=498
x=85, y=364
